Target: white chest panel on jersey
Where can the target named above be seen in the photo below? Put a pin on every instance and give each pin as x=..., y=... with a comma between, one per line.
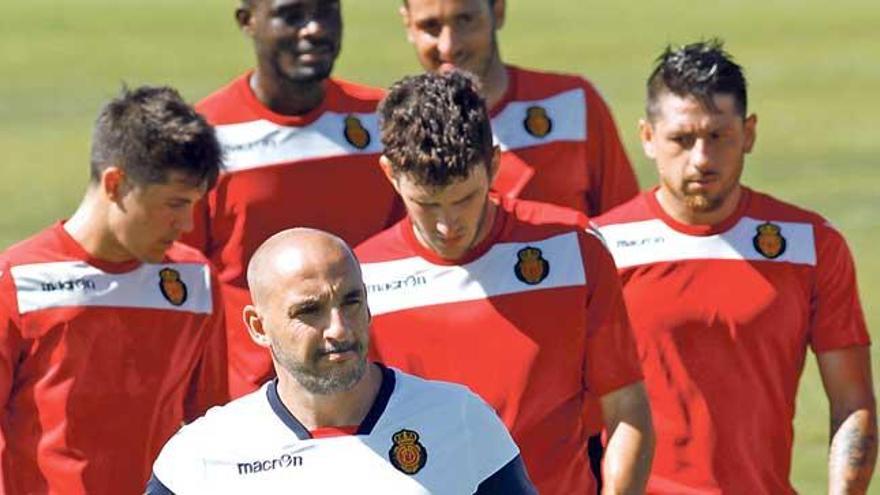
x=420, y=438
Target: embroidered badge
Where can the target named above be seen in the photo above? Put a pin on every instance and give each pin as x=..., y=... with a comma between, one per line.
x=407, y=454
x=531, y=268
x=171, y=286
x=769, y=241
x=537, y=121
x=355, y=133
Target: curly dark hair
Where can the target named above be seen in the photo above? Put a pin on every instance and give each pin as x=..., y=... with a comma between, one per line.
x=435, y=128
x=702, y=70
x=150, y=131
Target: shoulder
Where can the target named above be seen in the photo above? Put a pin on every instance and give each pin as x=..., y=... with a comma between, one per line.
x=44, y=246
x=449, y=400
x=387, y=245
x=364, y=98
x=183, y=253
x=535, y=215
x=225, y=105
x=634, y=210
x=536, y=84
x=225, y=428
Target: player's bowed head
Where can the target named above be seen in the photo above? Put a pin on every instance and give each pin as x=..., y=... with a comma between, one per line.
x=310, y=311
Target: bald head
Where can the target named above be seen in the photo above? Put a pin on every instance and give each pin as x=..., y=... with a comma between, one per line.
x=301, y=253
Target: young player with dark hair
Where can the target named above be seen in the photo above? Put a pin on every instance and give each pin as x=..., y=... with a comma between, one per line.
x=514, y=299
x=111, y=334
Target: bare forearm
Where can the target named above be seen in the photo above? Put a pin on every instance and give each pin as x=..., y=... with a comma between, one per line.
x=853, y=452
x=628, y=459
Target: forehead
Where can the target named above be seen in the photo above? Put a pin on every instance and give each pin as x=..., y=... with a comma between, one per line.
x=433, y=8
x=454, y=191
x=314, y=271
x=176, y=184
x=685, y=111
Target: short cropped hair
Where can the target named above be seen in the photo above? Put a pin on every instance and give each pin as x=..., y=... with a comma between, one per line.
x=701, y=70
x=149, y=132
x=435, y=128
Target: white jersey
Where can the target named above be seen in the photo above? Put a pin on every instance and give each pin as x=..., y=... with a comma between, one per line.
x=419, y=437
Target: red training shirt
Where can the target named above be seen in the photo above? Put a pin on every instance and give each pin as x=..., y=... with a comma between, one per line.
x=315, y=170
x=723, y=315
x=100, y=363
x=532, y=320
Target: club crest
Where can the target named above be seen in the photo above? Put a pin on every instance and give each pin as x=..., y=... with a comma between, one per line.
x=769, y=241
x=537, y=122
x=172, y=286
x=531, y=268
x=355, y=133
x=407, y=454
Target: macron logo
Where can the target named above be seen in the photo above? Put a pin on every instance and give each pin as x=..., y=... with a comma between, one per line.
x=285, y=461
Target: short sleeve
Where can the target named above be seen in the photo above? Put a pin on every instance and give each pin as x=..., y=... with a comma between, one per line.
x=490, y=445
x=611, y=359
x=610, y=170
x=837, y=319
x=179, y=467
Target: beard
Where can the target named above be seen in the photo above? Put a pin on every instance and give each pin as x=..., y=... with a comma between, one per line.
x=339, y=378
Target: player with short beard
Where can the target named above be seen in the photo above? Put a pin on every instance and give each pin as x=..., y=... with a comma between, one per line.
x=726, y=288
x=330, y=411
x=301, y=148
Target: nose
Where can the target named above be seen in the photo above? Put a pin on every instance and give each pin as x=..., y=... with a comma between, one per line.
x=700, y=154
x=185, y=222
x=337, y=327
x=447, y=223
x=447, y=44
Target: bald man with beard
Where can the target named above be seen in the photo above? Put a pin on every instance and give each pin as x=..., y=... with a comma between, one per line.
x=330, y=411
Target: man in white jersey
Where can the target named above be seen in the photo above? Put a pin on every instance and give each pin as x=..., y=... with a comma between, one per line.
x=332, y=422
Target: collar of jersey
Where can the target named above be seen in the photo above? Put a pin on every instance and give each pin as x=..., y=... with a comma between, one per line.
x=498, y=226
x=366, y=426
x=251, y=101
x=698, y=230
x=75, y=249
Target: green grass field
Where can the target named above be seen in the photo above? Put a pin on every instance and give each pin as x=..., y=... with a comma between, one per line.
x=813, y=68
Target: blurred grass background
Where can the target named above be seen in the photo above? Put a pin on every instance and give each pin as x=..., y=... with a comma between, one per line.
x=813, y=66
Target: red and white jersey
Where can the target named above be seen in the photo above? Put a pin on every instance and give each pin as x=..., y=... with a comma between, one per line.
x=532, y=320
x=100, y=363
x=560, y=144
x=315, y=170
x=723, y=315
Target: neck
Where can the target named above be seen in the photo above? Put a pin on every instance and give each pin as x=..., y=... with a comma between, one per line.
x=285, y=97
x=681, y=212
x=334, y=410
x=89, y=228
x=495, y=82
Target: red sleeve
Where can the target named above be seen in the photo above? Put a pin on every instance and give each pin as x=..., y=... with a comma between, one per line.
x=837, y=318
x=611, y=358
x=209, y=385
x=10, y=337
x=199, y=237
x=608, y=164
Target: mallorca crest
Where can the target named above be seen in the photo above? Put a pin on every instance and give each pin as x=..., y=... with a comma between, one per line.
x=769, y=241
x=355, y=133
x=171, y=286
x=531, y=268
x=407, y=454
x=537, y=121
